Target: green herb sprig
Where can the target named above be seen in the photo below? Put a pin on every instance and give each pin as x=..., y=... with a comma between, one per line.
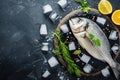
x=63, y=50
x=77, y=52
x=84, y=5
x=96, y=41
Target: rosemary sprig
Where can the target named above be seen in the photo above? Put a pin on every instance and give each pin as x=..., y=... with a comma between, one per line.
x=63, y=50
x=84, y=5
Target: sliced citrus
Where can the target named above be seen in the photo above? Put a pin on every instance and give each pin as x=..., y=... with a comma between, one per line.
x=105, y=7
x=116, y=17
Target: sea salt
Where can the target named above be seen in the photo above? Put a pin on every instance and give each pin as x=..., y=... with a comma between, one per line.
x=47, y=9
x=87, y=68
x=45, y=60
x=31, y=75
x=53, y=62
x=105, y=72
x=46, y=74
x=113, y=35
x=101, y=20
x=64, y=28
x=85, y=58
x=71, y=46
x=115, y=48
x=43, y=29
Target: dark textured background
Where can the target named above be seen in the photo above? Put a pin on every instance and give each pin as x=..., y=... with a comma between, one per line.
x=20, y=55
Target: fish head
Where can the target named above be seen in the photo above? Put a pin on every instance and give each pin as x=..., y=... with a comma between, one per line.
x=78, y=25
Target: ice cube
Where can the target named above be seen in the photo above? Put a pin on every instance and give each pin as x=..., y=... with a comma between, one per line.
x=113, y=35
x=105, y=72
x=46, y=74
x=101, y=20
x=45, y=46
x=61, y=77
x=62, y=3
x=71, y=46
x=115, y=48
x=43, y=29
x=64, y=28
x=54, y=16
x=45, y=43
x=78, y=78
x=53, y=62
x=87, y=68
x=47, y=9
x=85, y=58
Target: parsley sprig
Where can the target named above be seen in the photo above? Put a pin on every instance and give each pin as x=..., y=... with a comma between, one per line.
x=96, y=41
x=84, y=5
x=63, y=50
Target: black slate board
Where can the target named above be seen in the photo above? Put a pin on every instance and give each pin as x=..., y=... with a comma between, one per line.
x=20, y=55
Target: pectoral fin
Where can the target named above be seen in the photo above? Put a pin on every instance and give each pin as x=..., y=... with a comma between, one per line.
x=82, y=34
x=86, y=38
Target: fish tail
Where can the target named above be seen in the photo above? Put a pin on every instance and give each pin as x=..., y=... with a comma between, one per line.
x=116, y=71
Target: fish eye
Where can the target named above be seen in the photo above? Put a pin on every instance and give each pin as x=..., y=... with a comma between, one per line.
x=80, y=20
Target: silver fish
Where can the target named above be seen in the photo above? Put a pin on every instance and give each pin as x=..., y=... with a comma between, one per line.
x=81, y=28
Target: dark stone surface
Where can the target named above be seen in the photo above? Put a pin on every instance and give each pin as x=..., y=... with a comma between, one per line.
x=20, y=42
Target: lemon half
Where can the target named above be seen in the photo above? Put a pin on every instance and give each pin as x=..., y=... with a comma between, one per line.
x=105, y=7
x=116, y=17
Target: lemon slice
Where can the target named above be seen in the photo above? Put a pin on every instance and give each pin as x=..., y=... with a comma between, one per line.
x=116, y=17
x=105, y=7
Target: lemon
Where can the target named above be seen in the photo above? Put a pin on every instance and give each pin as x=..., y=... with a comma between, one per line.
x=105, y=7
x=116, y=17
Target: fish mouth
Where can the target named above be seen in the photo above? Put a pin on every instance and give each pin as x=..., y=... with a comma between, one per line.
x=78, y=24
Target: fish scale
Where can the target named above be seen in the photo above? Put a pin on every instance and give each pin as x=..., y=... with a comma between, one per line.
x=105, y=47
